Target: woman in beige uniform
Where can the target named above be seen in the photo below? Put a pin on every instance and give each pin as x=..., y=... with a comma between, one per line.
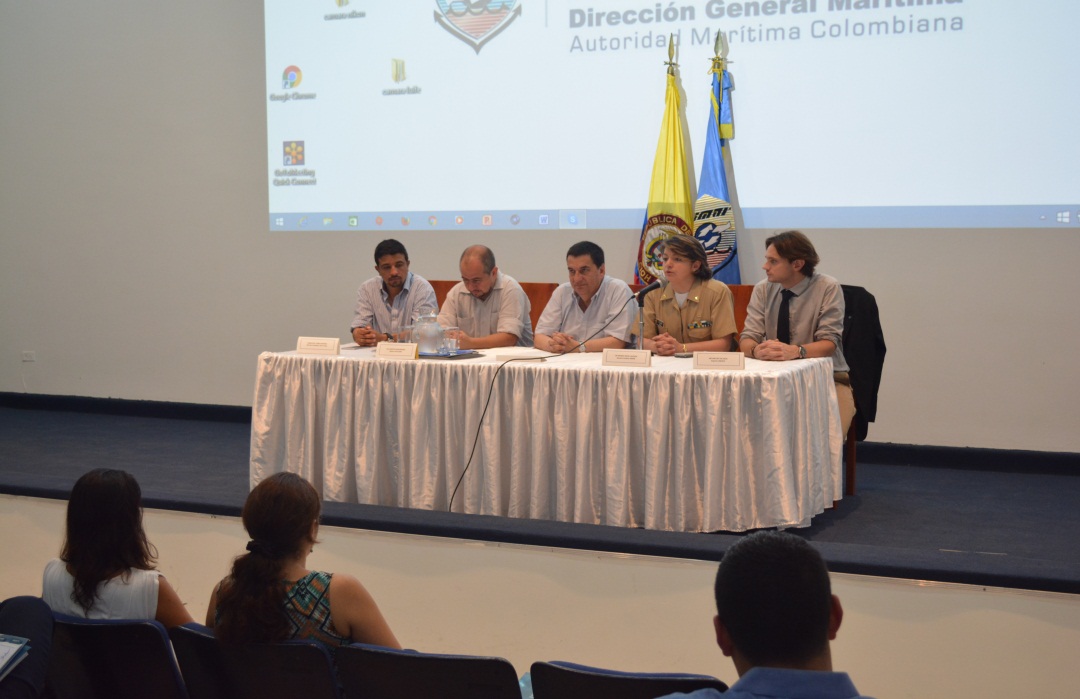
x=691, y=312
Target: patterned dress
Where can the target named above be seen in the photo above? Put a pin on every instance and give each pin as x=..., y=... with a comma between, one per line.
x=307, y=606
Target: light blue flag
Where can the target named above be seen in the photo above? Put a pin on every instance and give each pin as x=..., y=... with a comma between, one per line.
x=714, y=216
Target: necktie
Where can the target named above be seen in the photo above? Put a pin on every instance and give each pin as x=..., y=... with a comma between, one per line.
x=783, y=318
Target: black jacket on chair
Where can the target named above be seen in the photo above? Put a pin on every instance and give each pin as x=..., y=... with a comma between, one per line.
x=864, y=350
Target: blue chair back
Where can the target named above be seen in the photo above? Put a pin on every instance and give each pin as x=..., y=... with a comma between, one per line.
x=118, y=659
x=215, y=670
x=562, y=680
x=375, y=672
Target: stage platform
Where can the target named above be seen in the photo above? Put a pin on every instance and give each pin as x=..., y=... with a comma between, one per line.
x=966, y=516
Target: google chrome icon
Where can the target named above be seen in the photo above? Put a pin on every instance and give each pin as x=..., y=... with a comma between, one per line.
x=291, y=77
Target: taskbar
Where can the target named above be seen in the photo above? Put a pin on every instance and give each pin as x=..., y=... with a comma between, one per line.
x=1003, y=216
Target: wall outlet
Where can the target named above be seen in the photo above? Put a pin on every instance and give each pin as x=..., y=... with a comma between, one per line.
x=29, y=356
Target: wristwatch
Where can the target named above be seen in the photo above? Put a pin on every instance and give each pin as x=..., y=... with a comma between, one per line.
x=802, y=352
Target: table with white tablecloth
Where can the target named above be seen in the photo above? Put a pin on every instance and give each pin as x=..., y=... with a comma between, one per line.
x=665, y=447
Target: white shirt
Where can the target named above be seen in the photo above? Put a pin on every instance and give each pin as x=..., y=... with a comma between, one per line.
x=133, y=595
x=611, y=302
x=505, y=310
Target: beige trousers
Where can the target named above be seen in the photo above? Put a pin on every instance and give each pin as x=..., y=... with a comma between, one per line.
x=847, y=404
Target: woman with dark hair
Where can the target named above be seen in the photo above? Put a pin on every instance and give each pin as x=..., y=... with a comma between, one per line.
x=270, y=595
x=691, y=311
x=106, y=567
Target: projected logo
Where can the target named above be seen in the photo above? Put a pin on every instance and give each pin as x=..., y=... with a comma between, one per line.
x=291, y=78
x=714, y=227
x=293, y=152
x=341, y=3
x=657, y=229
x=476, y=22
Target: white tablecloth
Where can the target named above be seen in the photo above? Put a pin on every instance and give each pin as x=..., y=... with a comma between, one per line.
x=662, y=448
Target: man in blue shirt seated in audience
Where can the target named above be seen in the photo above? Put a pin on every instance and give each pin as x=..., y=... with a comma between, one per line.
x=775, y=617
x=589, y=313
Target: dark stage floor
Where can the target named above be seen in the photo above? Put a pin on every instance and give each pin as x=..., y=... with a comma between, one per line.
x=1013, y=526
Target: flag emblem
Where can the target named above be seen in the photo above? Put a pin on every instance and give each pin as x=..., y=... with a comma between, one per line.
x=714, y=227
x=476, y=22
x=658, y=228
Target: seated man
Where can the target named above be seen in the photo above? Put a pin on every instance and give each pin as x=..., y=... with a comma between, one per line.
x=488, y=307
x=775, y=617
x=591, y=303
x=796, y=313
x=387, y=303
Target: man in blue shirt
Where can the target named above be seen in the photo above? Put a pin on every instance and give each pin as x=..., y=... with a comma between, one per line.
x=386, y=304
x=775, y=616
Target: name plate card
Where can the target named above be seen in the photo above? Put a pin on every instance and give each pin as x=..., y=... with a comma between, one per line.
x=397, y=350
x=627, y=357
x=719, y=360
x=318, y=345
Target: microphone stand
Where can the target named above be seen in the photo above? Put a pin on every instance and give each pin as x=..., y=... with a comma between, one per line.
x=641, y=323
x=641, y=312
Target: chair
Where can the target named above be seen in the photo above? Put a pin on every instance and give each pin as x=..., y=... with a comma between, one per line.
x=375, y=672
x=215, y=670
x=118, y=659
x=561, y=680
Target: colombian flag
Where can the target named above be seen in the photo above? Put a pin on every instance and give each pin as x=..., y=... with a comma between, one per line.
x=670, y=211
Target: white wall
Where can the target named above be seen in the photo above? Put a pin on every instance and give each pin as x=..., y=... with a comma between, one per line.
x=135, y=260
x=898, y=638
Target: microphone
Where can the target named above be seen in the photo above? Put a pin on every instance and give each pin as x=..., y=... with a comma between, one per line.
x=641, y=294
x=656, y=284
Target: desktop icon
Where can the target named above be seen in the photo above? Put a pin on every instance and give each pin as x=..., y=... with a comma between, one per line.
x=303, y=221
x=291, y=78
x=515, y=219
x=432, y=221
x=397, y=69
x=327, y=221
x=486, y=220
x=378, y=220
x=404, y=220
x=293, y=152
x=1064, y=216
x=279, y=221
x=354, y=221
x=459, y=220
x=543, y=219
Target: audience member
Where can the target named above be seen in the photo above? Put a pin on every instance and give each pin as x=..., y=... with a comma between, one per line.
x=590, y=304
x=271, y=596
x=775, y=617
x=489, y=308
x=106, y=567
x=389, y=302
x=29, y=618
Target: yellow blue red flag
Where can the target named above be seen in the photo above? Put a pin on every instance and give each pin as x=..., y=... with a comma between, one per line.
x=670, y=211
